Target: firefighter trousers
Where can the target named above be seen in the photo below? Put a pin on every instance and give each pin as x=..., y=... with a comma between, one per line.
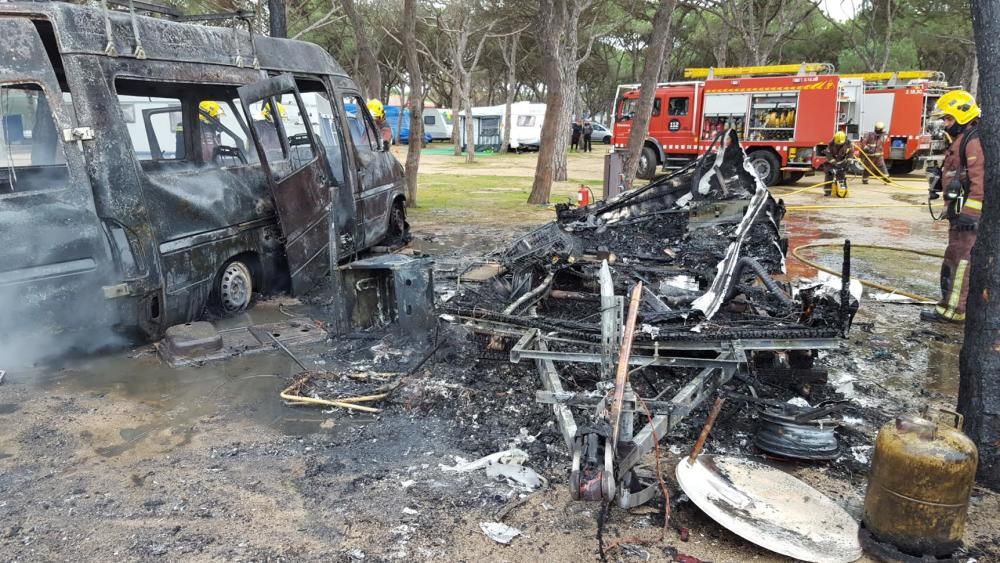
x=955, y=273
x=877, y=163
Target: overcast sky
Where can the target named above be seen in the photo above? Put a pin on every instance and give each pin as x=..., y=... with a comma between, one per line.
x=840, y=10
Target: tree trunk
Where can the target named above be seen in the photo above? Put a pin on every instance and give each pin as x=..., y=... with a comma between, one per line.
x=456, y=119
x=556, y=125
x=470, y=140
x=278, y=18
x=511, y=91
x=416, y=100
x=371, y=80
x=979, y=383
x=659, y=47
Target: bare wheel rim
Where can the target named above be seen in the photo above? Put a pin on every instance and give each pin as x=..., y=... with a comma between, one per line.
x=763, y=168
x=643, y=162
x=236, y=288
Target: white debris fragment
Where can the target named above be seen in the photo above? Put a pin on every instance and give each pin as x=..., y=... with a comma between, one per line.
x=499, y=532
x=407, y=484
x=862, y=454
x=799, y=402
x=513, y=456
x=409, y=511
x=517, y=474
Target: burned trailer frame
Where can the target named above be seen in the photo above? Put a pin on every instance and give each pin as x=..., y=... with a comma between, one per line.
x=131, y=228
x=729, y=220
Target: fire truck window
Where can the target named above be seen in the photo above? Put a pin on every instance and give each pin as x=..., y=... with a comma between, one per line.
x=678, y=107
x=772, y=117
x=31, y=153
x=657, y=106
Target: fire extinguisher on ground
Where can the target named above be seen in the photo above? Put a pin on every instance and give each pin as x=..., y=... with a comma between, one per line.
x=583, y=196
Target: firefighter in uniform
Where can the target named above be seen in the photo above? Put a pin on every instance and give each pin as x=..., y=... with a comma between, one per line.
x=377, y=110
x=962, y=181
x=872, y=145
x=838, y=153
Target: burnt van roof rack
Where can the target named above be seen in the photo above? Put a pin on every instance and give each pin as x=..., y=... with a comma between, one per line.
x=801, y=69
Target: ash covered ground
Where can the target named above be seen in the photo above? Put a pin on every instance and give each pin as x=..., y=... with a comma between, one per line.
x=122, y=458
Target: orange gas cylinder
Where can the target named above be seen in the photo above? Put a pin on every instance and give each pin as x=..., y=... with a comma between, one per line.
x=919, y=485
x=583, y=196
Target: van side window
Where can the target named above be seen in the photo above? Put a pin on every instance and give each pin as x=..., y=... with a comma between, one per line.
x=223, y=137
x=362, y=129
x=31, y=153
x=678, y=107
x=429, y=120
x=322, y=114
x=155, y=126
x=525, y=121
x=279, y=124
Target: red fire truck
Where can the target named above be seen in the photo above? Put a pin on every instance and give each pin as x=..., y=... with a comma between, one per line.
x=785, y=119
x=903, y=101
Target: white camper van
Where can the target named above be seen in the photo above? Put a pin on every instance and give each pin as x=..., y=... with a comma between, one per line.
x=526, y=126
x=437, y=122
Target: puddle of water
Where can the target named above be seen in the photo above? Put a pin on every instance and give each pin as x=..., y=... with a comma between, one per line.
x=184, y=398
x=942, y=367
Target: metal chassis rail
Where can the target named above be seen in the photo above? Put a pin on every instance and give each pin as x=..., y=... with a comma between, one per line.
x=620, y=463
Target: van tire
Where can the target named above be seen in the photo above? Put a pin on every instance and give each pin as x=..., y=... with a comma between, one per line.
x=607, y=139
x=647, y=163
x=399, y=229
x=233, y=290
x=767, y=166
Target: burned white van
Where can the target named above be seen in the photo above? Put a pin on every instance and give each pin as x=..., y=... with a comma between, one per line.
x=151, y=169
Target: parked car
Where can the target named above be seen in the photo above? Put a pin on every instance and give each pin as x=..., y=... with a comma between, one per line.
x=183, y=180
x=601, y=133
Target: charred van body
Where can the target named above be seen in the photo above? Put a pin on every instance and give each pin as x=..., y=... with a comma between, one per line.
x=151, y=169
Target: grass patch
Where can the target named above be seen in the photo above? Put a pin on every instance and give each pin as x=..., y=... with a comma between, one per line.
x=492, y=200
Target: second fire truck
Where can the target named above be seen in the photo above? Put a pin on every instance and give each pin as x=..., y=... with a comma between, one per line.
x=784, y=113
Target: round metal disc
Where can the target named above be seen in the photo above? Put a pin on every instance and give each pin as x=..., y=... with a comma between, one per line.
x=770, y=508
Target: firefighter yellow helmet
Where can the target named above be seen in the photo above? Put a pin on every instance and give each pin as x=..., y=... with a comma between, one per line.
x=959, y=104
x=376, y=108
x=266, y=112
x=213, y=109
x=839, y=137
x=879, y=126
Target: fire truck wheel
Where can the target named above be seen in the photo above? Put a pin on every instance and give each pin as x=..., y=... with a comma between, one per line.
x=902, y=166
x=767, y=166
x=647, y=164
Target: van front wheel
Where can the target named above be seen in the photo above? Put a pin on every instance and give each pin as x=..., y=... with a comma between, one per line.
x=234, y=288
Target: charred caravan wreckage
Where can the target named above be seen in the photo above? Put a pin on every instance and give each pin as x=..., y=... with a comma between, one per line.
x=696, y=251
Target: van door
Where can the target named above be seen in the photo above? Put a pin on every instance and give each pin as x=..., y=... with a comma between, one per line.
x=297, y=174
x=55, y=259
x=380, y=174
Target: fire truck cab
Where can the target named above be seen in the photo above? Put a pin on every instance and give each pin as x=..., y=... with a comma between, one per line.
x=782, y=120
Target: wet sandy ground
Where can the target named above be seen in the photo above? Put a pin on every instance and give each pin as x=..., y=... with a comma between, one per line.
x=122, y=458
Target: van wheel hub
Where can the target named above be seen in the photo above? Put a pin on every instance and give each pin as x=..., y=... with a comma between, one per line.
x=236, y=288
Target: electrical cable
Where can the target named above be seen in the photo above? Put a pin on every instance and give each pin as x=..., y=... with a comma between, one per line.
x=875, y=285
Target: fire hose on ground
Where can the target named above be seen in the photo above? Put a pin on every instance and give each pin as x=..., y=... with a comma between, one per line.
x=875, y=285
